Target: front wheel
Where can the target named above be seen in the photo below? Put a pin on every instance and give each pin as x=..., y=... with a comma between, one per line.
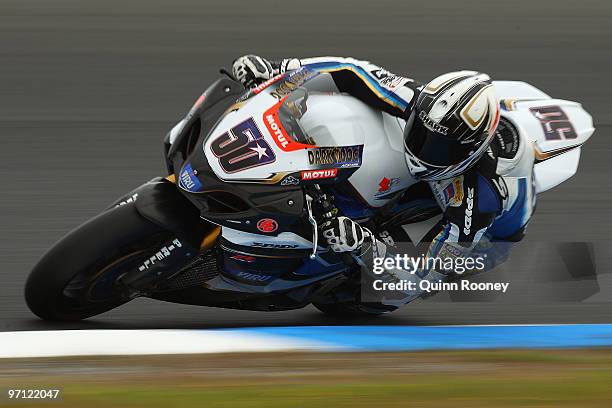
x=78, y=277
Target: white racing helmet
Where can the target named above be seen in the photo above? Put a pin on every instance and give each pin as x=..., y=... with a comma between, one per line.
x=451, y=126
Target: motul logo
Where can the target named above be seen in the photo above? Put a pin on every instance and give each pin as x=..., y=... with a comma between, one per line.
x=468, y=211
x=282, y=140
x=276, y=132
x=319, y=174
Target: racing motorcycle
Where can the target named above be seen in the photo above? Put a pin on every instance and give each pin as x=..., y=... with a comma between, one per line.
x=235, y=222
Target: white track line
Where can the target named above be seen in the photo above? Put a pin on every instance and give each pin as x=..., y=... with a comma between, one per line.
x=140, y=342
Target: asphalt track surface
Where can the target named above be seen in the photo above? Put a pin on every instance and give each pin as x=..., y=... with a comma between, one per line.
x=88, y=89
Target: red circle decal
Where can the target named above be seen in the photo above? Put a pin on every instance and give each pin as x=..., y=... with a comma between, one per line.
x=267, y=225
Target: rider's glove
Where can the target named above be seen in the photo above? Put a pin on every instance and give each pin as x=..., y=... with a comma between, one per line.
x=251, y=70
x=343, y=234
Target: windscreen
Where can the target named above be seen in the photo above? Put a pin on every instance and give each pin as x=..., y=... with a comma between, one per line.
x=290, y=113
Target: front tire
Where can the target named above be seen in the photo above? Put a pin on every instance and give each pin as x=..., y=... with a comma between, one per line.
x=77, y=277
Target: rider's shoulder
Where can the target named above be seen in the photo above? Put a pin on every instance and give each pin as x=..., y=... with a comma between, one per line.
x=489, y=187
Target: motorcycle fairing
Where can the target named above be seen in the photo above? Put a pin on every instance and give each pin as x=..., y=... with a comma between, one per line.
x=237, y=205
x=551, y=132
x=251, y=143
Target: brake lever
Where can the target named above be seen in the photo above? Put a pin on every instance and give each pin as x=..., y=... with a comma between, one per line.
x=349, y=258
x=315, y=227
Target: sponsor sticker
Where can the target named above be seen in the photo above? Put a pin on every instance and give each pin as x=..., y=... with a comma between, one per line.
x=432, y=124
x=128, y=200
x=275, y=246
x=387, y=79
x=318, y=174
x=253, y=276
x=164, y=252
x=386, y=184
x=243, y=258
x=340, y=156
x=278, y=133
x=468, y=211
x=188, y=180
x=385, y=187
x=267, y=225
x=453, y=193
x=267, y=83
x=290, y=181
x=292, y=82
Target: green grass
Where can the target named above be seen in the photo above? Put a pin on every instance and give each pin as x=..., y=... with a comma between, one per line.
x=525, y=378
x=583, y=390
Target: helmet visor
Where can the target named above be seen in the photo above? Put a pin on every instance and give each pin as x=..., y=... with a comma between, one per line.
x=434, y=148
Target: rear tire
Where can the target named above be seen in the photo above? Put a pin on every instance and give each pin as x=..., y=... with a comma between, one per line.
x=76, y=278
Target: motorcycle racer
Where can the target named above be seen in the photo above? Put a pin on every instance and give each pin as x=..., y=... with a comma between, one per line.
x=257, y=179
x=452, y=143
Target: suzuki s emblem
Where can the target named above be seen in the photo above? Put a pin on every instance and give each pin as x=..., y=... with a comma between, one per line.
x=267, y=225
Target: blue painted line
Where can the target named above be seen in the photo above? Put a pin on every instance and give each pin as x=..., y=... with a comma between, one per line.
x=407, y=338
